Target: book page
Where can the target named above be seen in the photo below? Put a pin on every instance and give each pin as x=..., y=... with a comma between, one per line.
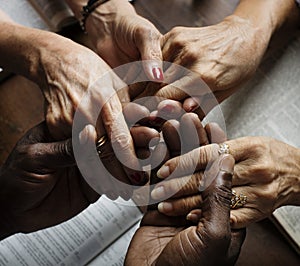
x=115, y=253
x=289, y=219
x=74, y=242
x=22, y=12
x=269, y=106
x=55, y=12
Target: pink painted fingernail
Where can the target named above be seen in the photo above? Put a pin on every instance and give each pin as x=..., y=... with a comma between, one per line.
x=157, y=74
x=167, y=109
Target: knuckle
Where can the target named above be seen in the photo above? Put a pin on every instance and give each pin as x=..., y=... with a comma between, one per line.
x=121, y=142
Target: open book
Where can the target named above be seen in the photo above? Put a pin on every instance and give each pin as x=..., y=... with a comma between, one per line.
x=104, y=228
x=42, y=14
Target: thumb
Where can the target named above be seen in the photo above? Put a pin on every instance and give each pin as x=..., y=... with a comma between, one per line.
x=216, y=204
x=52, y=155
x=148, y=43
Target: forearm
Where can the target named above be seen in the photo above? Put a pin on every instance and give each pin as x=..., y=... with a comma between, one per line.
x=268, y=15
x=17, y=54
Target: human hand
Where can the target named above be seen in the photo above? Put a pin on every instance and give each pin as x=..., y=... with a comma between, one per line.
x=40, y=185
x=180, y=195
x=224, y=56
x=121, y=36
x=266, y=171
x=73, y=80
x=195, y=245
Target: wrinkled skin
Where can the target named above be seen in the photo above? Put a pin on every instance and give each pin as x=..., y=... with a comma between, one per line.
x=210, y=242
x=163, y=240
x=121, y=36
x=266, y=171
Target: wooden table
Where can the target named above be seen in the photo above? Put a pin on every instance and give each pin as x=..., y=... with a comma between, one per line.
x=21, y=107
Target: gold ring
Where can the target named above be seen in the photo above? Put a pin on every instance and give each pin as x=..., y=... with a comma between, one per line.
x=237, y=201
x=100, y=142
x=223, y=149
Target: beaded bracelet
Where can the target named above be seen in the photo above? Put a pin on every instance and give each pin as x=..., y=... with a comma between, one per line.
x=89, y=8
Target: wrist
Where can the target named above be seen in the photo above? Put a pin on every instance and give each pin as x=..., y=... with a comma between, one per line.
x=289, y=185
x=268, y=15
x=107, y=13
x=19, y=53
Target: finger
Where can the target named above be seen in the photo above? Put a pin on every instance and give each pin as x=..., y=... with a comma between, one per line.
x=134, y=112
x=148, y=42
x=242, y=148
x=38, y=134
x=177, y=187
x=243, y=217
x=216, y=202
x=194, y=216
x=169, y=109
x=237, y=240
x=197, y=159
x=147, y=96
x=192, y=132
x=136, y=89
x=171, y=136
x=121, y=140
x=52, y=155
x=177, y=207
x=215, y=134
x=259, y=204
x=143, y=154
x=188, y=85
x=159, y=155
x=190, y=104
x=100, y=176
x=143, y=137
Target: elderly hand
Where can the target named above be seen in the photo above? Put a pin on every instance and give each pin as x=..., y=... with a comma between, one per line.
x=121, y=36
x=210, y=242
x=40, y=185
x=266, y=171
x=65, y=71
x=223, y=55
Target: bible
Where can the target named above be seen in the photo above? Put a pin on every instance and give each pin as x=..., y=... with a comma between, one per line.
x=51, y=15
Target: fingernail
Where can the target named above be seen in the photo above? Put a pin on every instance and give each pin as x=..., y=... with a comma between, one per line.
x=226, y=164
x=167, y=109
x=83, y=136
x=192, y=217
x=163, y=172
x=158, y=193
x=165, y=207
x=202, y=186
x=157, y=73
